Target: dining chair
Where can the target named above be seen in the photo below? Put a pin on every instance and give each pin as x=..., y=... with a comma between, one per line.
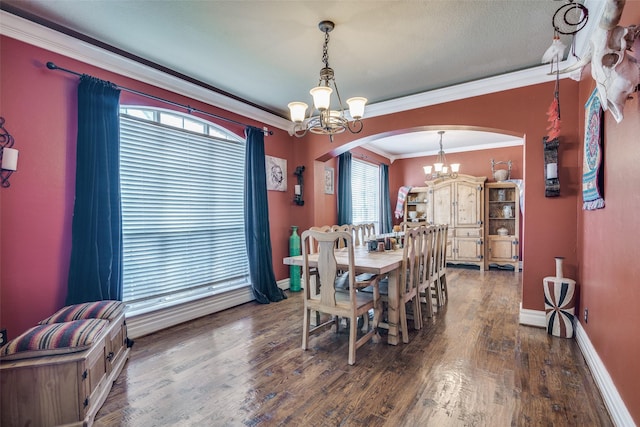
x=439, y=278
x=426, y=290
x=313, y=274
x=369, y=231
x=347, y=228
x=350, y=303
x=442, y=267
x=407, y=284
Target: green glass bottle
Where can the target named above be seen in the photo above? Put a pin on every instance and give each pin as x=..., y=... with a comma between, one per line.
x=294, y=270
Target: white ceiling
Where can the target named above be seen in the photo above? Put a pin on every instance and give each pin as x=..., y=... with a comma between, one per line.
x=269, y=52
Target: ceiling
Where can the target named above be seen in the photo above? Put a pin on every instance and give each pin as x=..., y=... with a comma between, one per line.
x=269, y=52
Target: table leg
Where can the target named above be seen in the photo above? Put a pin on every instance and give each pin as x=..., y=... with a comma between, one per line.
x=377, y=311
x=393, y=309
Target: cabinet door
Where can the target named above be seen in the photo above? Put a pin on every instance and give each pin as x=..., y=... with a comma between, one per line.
x=503, y=249
x=468, y=249
x=468, y=205
x=442, y=204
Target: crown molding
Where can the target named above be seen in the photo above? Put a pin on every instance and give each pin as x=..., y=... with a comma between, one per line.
x=499, y=83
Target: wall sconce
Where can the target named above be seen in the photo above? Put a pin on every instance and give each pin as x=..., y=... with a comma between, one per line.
x=299, y=187
x=8, y=155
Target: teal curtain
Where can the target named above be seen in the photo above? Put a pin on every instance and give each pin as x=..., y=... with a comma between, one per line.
x=95, y=270
x=256, y=220
x=386, y=223
x=345, y=204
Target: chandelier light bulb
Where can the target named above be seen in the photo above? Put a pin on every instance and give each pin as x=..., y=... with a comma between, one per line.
x=298, y=111
x=427, y=170
x=438, y=167
x=455, y=167
x=356, y=106
x=321, y=97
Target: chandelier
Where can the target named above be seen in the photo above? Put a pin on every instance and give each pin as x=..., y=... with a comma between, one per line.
x=328, y=121
x=440, y=169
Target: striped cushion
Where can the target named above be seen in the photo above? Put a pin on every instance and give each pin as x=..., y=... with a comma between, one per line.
x=53, y=339
x=108, y=310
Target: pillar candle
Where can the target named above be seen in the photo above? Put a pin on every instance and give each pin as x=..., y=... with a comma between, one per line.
x=297, y=190
x=552, y=170
x=10, y=159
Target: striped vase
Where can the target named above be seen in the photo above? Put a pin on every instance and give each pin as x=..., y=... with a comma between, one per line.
x=559, y=303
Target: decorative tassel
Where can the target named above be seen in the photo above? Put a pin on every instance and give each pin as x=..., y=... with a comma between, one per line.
x=553, y=114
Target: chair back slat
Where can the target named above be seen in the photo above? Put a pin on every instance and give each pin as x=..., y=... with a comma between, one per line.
x=313, y=245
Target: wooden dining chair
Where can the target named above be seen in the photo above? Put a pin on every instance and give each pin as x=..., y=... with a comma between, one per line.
x=442, y=267
x=439, y=278
x=349, y=304
x=368, y=231
x=313, y=273
x=347, y=228
x=407, y=284
x=426, y=289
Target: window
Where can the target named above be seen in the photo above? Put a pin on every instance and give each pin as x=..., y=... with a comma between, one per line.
x=182, y=208
x=365, y=193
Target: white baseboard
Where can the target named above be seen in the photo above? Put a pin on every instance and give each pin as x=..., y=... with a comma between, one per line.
x=612, y=400
x=148, y=323
x=532, y=317
x=283, y=284
x=617, y=410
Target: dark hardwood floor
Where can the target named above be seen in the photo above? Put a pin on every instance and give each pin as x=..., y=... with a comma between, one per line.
x=471, y=365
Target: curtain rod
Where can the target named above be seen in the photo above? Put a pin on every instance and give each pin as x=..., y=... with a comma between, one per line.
x=265, y=130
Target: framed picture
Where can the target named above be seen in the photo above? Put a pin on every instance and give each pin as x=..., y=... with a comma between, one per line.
x=328, y=180
x=276, y=170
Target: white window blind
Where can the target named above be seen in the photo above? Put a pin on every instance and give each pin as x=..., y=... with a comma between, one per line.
x=182, y=215
x=365, y=193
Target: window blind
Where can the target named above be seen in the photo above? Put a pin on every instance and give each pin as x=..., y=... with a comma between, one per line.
x=365, y=193
x=182, y=214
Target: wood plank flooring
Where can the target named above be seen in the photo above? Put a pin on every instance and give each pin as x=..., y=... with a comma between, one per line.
x=471, y=365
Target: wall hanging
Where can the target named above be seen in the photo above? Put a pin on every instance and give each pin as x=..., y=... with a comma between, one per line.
x=8, y=155
x=298, y=189
x=328, y=180
x=592, y=165
x=276, y=173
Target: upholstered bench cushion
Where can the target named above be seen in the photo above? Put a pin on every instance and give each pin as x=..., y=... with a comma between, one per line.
x=53, y=339
x=106, y=309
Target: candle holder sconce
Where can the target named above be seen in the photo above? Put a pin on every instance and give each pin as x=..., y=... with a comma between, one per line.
x=299, y=188
x=551, y=181
x=8, y=155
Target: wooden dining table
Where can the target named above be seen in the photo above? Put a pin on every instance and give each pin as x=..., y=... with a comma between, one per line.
x=380, y=263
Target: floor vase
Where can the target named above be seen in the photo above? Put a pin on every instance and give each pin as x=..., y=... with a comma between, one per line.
x=294, y=270
x=559, y=303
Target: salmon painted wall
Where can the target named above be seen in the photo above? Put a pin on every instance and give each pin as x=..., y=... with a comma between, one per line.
x=609, y=274
x=39, y=106
x=520, y=112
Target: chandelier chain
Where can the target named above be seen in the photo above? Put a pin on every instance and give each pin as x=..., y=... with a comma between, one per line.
x=325, y=49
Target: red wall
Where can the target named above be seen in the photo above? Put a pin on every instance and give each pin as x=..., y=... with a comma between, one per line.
x=609, y=272
x=39, y=106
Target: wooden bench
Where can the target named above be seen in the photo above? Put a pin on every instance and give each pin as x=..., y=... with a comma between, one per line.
x=62, y=389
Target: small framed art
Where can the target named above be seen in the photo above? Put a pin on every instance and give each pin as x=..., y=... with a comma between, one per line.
x=328, y=180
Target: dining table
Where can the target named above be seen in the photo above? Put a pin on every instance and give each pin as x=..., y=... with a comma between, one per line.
x=381, y=263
